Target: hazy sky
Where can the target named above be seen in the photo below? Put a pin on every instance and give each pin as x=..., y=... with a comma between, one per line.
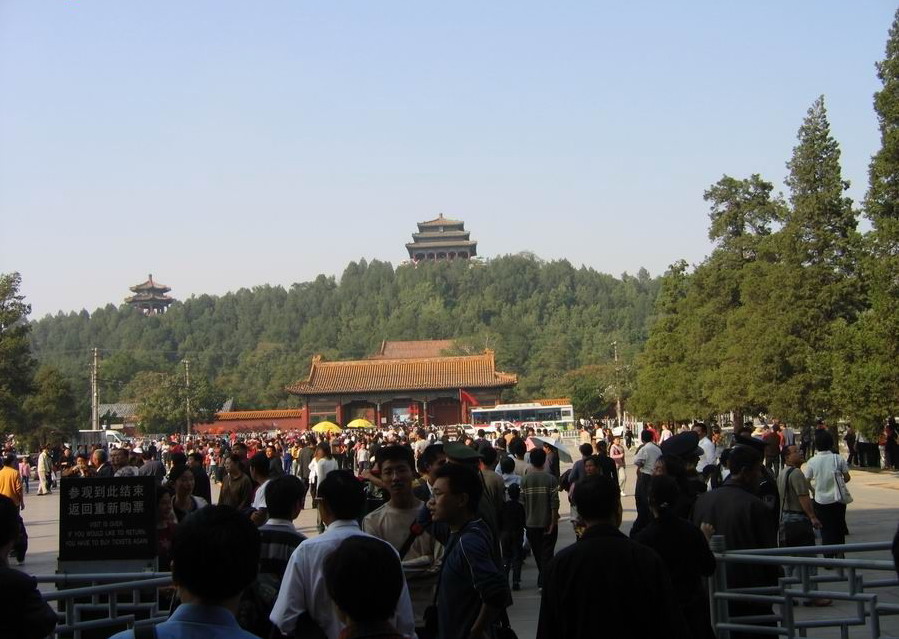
x=224, y=144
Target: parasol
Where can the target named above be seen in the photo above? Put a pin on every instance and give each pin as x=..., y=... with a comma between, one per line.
x=326, y=427
x=558, y=444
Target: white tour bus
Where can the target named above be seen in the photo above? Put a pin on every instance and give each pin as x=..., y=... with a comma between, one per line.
x=546, y=414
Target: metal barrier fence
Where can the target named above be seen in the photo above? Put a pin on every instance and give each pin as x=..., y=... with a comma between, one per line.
x=102, y=596
x=853, y=580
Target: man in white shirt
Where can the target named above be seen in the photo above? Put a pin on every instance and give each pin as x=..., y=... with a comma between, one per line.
x=645, y=460
x=708, y=448
x=260, y=468
x=303, y=600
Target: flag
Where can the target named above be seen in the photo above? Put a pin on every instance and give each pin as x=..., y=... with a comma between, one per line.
x=468, y=398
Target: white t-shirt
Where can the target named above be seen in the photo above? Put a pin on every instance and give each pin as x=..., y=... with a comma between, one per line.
x=259, y=497
x=819, y=471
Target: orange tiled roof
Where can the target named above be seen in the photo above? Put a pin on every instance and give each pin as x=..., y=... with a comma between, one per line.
x=259, y=414
x=413, y=349
x=553, y=402
x=373, y=375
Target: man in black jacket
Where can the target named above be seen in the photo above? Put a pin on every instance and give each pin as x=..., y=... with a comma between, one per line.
x=606, y=561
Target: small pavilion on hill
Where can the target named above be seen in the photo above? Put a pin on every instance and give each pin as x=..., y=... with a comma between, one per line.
x=150, y=297
x=441, y=239
x=404, y=381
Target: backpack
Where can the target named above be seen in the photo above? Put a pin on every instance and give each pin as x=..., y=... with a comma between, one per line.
x=565, y=481
x=256, y=604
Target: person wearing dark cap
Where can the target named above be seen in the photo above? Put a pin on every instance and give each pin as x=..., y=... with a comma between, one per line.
x=766, y=487
x=686, y=446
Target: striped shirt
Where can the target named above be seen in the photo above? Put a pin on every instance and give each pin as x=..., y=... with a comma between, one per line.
x=279, y=540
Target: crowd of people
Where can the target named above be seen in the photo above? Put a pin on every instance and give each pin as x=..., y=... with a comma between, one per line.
x=420, y=535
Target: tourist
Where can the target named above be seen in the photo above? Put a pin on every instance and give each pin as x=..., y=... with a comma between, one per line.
x=303, y=604
x=121, y=464
x=512, y=534
x=151, y=467
x=472, y=592
x=81, y=468
x=709, y=451
x=202, y=487
x=540, y=492
x=184, y=502
x=734, y=511
x=276, y=462
x=215, y=556
x=494, y=485
x=684, y=549
x=23, y=612
x=636, y=594
x=25, y=472
x=395, y=523
x=279, y=537
x=432, y=458
x=616, y=453
x=507, y=466
x=278, y=540
x=11, y=487
x=45, y=471
x=166, y=524
x=237, y=489
x=645, y=461
x=260, y=473
x=831, y=498
x=365, y=581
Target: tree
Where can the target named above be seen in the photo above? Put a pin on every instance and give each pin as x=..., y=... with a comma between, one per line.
x=869, y=386
x=16, y=362
x=163, y=400
x=51, y=409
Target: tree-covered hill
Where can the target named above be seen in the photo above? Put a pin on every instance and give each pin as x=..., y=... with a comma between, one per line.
x=543, y=319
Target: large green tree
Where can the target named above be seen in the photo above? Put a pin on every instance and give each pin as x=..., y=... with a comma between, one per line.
x=16, y=362
x=51, y=408
x=866, y=352
x=165, y=402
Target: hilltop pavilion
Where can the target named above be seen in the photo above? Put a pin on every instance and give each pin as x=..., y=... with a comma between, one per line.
x=441, y=239
x=150, y=297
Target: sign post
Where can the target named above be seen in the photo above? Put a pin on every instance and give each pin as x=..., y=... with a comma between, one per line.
x=107, y=519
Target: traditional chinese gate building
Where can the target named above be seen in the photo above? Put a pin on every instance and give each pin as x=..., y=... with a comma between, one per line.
x=404, y=381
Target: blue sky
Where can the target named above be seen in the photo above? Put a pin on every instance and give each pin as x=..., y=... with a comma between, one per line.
x=223, y=144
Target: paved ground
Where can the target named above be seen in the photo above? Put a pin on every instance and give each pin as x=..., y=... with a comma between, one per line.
x=872, y=517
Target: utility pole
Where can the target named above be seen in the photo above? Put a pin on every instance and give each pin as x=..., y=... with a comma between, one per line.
x=187, y=394
x=617, y=385
x=95, y=389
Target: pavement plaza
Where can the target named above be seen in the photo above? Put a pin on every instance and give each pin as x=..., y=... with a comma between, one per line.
x=871, y=517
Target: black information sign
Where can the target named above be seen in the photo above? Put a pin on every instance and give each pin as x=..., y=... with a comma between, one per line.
x=451, y=432
x=107, y=518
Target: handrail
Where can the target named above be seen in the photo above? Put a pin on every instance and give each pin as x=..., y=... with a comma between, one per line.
x=860, y=576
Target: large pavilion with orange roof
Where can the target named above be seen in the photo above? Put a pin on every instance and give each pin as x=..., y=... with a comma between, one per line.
x=404, y=381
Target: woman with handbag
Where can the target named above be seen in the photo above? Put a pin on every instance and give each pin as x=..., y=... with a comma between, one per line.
x=829, y=474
